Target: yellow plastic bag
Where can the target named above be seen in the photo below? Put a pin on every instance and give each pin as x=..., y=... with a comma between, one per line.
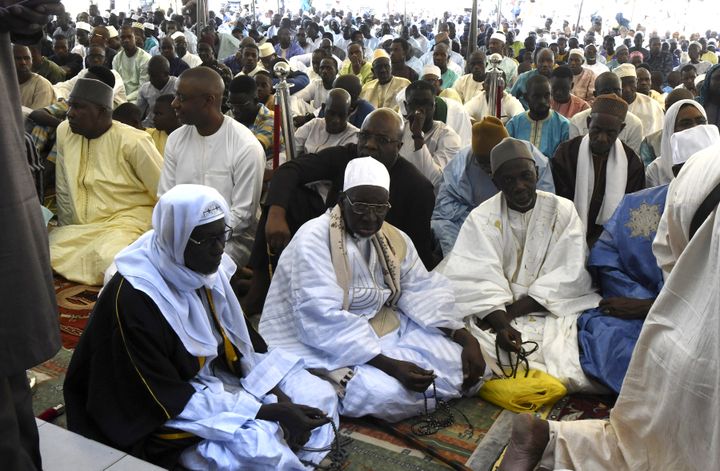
x=523, y=394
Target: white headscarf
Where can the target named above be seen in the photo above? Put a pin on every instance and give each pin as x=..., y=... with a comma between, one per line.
x=155, y=265
x=685, y=195
x=663, y=174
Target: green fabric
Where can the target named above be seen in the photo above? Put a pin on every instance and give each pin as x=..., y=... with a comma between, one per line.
x=441, y=110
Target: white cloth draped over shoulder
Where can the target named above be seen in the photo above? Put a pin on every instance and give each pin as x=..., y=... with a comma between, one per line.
x=666, y=417
x=501, y=256
x=222, y=410
x=304, y=315
x=615, y=182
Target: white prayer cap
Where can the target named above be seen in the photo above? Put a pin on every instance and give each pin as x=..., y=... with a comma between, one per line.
x=499, y=36
x=149, y=26
x=577, y=52
x=366, y=171
x=83, y=26
x=687, y=143
x=134, y=17
x=112, y=31
x=625, y=70
x=266, y=49
x=431, y=69
x=177, y=34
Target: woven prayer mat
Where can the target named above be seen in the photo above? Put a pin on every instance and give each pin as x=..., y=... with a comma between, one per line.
x=376, y=447
x=75, y=302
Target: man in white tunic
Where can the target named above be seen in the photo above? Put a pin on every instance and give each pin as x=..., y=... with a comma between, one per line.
x=427, y=144
x=215, y=150
x=330, y=131
x=648, y=110
x=666, y=416
x=518, y=270
x=351, y=297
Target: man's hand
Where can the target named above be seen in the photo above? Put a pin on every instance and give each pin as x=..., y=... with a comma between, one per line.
x=409, y=374
x=277, y=231
x=509, y=339
x=473, y=362
x=626, y=308
x=29, y=17
x=297, y=420
x=412, y=376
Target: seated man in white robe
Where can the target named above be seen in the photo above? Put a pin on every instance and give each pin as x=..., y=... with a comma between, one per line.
x=106, y=179
x=168, y=369
x=351, y=297
x=518, y=270
x=329, y=131
x=674, y=366
x=467, y=181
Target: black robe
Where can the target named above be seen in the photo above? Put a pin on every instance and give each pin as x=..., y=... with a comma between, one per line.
x=129, y=374
x=564, y=170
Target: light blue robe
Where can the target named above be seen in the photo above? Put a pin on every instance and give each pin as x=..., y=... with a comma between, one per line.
x=464, y=186
x=546, y=134
x=518, y=90
x=624, y=265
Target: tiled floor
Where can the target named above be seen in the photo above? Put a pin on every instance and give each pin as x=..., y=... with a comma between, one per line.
x=66, y=451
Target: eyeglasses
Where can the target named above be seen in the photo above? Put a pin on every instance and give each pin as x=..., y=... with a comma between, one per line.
x=363, y=209
x=222, y=238
x=382, y=140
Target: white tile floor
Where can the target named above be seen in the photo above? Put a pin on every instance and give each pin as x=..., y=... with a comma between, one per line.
x=66, y=451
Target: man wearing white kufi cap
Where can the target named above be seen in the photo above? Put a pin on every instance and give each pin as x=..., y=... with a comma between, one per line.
x=170, y=347
x=497, y=45
x=518, y=265
x=82, y=33
x=106, y=181
x=648, y=110
x=583, y=78
x=181, y=48
x=351, y=297
x=626, y=270
x=382, y=91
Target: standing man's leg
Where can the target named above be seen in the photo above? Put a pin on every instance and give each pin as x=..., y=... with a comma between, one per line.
x=19, y=442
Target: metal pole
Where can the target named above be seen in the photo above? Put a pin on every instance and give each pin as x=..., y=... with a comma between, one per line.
x=499, y=7
x=281, y=71
x=472, y=40
x=577, y=24
x=201, y=15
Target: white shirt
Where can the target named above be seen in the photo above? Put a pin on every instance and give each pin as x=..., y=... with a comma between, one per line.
x=597, y=68
x=632, y=134
x=315, y=93
x=232, y=161
x=312, y=137
x=63, y=89
x=441, y=145
x=649, y=111
x=467, y=87
x=478, y=107
x=191, y=59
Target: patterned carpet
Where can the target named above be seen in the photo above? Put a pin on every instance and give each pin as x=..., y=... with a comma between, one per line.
x=375, y=445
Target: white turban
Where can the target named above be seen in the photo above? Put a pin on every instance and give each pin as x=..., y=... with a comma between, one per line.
x=431, y=70
x=366, y=171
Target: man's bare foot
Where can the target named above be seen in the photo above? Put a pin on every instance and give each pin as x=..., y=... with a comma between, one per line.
x=528, y=440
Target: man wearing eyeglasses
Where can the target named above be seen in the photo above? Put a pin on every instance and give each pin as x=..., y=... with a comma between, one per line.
x=290, y=204
x=215, y=150
x=351, y=298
